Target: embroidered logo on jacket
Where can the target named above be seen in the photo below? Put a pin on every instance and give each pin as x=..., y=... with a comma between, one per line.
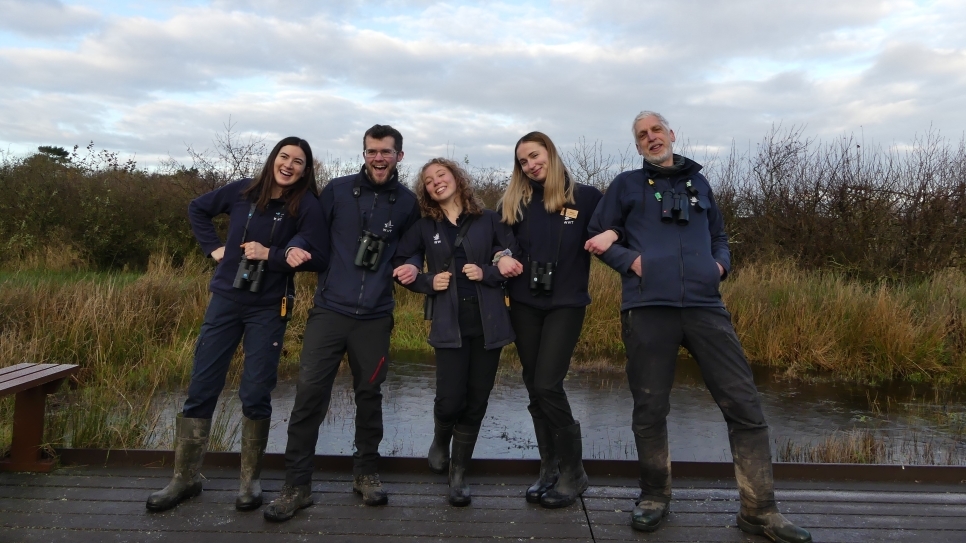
x=387, y=228
x=436, y=238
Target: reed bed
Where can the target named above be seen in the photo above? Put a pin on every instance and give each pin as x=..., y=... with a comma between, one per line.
x=869, y=446
x=805, y=322
x=133, y=335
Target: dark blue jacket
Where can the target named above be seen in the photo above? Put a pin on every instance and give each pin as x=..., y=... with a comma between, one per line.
x=484, y=237
x=228, y=199
x=538, y=234
x=351, y=204
x=679, y=262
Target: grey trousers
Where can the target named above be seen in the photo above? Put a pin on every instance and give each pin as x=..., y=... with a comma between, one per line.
x=652, y=336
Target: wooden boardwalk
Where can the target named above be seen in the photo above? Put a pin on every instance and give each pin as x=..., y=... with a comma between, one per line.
x=79, y=504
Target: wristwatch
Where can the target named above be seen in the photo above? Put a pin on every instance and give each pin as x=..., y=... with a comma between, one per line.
x=501, y=254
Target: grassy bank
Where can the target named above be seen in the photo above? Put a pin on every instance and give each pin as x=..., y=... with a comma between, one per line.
x=134, y=334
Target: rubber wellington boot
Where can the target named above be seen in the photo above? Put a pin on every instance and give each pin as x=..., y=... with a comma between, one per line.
x=756, y=487
x=438, y=454
x=253, y=441
x=548, y=460
x=464, y=441
x=573, y=480
x=190, y=441
x=654, y=459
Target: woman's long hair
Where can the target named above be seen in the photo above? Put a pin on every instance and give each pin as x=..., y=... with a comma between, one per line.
x=556, y=190
x=261, y=187
x=464, y=191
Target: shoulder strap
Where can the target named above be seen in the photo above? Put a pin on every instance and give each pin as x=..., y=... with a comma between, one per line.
x=459, y=241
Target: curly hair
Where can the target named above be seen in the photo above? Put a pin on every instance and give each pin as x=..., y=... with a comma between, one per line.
x=464, y=191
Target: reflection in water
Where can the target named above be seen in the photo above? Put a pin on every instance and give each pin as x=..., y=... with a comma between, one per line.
x=801, y=412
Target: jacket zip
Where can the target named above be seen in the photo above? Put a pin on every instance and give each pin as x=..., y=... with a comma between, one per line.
x=362, y=288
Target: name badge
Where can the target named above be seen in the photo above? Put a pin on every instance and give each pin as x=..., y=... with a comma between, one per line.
x=569, y=213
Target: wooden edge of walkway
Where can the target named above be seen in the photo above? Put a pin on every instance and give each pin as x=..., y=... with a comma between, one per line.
x=594, y=468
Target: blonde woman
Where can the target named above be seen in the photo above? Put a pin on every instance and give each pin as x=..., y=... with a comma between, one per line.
x=549, y=213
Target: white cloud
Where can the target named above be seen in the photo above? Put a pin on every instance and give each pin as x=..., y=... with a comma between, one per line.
x=470, y=78
x=46, y=18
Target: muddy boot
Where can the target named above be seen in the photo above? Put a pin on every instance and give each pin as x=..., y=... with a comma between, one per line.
x=438, y=454
x=289, y=500
x=653, y=505
x=756, y=486
x=573, y=480
x=464, y=441
x=253, y=441
x=548, y=460
x=370, y=488
x=190, y=441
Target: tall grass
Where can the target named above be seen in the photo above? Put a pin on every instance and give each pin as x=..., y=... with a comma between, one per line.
x=133, y=335
x=805, y=321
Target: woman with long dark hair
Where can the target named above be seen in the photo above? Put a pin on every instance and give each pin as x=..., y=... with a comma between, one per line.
x=252, y=292
x=548, y=213
x=457, y=238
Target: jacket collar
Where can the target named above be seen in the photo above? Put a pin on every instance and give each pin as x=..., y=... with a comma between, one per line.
x=682, y=166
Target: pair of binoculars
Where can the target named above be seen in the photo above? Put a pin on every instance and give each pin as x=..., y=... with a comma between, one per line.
x=675, y=208
x=249, y=275
x=370, y=251
x=541, y=278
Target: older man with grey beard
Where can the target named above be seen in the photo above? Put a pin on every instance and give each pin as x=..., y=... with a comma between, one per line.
x=672, y=255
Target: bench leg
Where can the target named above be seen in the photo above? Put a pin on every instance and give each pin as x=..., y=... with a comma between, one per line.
x=28, y=433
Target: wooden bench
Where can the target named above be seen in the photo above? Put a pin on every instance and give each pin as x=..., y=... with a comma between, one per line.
x=31, y=383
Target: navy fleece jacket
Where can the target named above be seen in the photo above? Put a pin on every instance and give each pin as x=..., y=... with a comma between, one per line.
x=228, y=199
x=679, y=263
x=538, y=235
x=351, y=204
x=485, y=236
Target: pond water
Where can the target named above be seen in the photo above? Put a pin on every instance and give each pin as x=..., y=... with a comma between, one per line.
x=800, y=412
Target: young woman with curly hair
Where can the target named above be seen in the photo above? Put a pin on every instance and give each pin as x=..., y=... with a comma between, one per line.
x=457, y=239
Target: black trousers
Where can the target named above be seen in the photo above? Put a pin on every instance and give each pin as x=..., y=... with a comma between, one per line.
x=652, y=336
x=465, y=376
x=546, y=339
x=328, y=336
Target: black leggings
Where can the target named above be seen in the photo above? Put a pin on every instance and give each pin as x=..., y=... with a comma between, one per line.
x=465, y=375
x=546, y=339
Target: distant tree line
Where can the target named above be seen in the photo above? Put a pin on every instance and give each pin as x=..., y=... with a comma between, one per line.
x=871, y=212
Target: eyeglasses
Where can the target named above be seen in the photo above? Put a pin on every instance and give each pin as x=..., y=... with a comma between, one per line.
x=384, y=153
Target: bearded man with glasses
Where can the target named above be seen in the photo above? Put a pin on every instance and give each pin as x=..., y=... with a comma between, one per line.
x=367, y=214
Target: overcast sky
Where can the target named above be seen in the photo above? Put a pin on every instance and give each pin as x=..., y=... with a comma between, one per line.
x=147, y=78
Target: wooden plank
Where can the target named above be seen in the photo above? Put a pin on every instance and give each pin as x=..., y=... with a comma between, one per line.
x=26, y=371
x=792, y=495
x=194, y=508
x=808, y=521
x=624, y=508
x=21, y=383
x=83, y=536
x=228, y=497
x=731, y=534
x=306, y=521
x=15, y=367
x=834, y=508
x=270, y=485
